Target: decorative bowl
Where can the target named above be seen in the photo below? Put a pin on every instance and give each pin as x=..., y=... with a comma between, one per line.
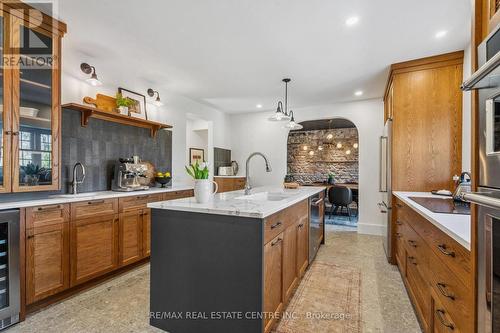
x=163, y=180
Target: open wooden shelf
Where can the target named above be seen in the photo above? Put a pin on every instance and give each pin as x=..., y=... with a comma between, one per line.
x=92, y=112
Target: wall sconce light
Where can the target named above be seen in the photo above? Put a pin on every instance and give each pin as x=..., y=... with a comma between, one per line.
x=92, y=80
x=329, y=136
x=311, y=153
x=356, y=145
x=152, y=93
x=304, y=148
x=320, y=148
x=348, y=152
x=339, y=145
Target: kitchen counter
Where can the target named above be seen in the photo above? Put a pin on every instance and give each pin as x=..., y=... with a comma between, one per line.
x=236, y=203
x=68, y=198
x=456, y=226
x=234, y=176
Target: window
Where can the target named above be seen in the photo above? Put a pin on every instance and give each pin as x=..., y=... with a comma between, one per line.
x=46, y=142
x=36, y=147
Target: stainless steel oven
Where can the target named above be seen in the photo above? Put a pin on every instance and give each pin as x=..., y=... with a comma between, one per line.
x=487, y=80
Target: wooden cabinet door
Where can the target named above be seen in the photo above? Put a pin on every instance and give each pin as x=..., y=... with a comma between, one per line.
x=440, y=321
x=35, y=108
x=289, y=261
x=47, y=261
x=131, y=236
x=273, y=269
x=146, y=233
x=93, y=247
x=302, y=246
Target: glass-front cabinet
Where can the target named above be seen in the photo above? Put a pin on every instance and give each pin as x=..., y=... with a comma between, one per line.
x=30, y=98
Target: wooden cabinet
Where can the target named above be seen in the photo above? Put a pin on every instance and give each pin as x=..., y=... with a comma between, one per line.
x=178, y=194
x=146, y=233
x=425, y=101
x=47, y=251
x=437, y=274
x=290, y=276
x=31, y=114
x=131, y=225
x=227, y=184
x=93, y=247
x=302, y=245
x=273, y=271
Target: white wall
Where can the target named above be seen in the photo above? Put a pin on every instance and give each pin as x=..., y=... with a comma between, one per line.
x=253, y=132
x=174, y=113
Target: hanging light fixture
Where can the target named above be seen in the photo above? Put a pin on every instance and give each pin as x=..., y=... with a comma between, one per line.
x=292, y=124
x=280, y=114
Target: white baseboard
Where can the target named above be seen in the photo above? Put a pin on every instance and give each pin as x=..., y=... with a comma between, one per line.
x=371, y=229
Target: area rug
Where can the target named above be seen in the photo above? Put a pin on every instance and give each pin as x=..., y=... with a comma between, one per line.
x=327, y=300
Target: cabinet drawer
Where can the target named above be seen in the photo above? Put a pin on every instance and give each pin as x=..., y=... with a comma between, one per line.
x=178, y=195
x=454, y=297
x=93, y=208
x=441, y=321
x=138, y=201
x=46, y=215
x=273, y=225
x=296, y=213
x=419, y=289
x=239, y=184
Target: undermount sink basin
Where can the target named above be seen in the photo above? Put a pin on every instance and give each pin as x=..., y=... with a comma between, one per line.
x=80, y=195
x=263, y=196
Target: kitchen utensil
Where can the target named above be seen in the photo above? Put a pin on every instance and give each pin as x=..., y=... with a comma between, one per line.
x=163, y=181
x=102, y=102
x=235, y=166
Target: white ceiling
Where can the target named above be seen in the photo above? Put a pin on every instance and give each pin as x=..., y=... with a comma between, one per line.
x=233, y=54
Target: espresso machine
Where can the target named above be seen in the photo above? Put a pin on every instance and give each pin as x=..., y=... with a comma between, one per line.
x=127, y=174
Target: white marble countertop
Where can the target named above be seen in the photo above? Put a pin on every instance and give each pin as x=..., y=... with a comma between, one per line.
x=456, y=226
x=236, y=203
x=68, y=198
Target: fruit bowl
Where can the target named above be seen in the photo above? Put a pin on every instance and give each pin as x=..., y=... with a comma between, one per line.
x=163, y=180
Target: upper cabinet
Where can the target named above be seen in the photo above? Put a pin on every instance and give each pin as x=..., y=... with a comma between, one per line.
x=30, y=99
x=491, y=15
x=424, y=101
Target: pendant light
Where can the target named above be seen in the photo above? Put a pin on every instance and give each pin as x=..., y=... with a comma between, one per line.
x=292, y=124
x=280, y=114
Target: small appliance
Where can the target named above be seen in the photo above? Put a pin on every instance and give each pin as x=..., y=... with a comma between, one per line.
x=226, y=171
x=127, y=174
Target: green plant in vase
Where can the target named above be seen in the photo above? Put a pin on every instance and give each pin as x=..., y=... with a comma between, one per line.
x=203, y=187
x=123, y=103
x=330, y=178
x=32, y=173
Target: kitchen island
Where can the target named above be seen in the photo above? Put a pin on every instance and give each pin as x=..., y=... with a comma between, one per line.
x=230, y=265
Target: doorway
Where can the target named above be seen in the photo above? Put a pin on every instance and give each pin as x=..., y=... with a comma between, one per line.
x=326, y=153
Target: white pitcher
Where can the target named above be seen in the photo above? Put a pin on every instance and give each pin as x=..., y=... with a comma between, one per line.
x=203, y=190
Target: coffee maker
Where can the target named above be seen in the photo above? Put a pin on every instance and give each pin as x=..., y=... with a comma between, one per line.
x=127, y=174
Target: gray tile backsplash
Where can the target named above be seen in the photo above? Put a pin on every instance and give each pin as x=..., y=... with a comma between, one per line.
x=98, y=146
x=222, y=157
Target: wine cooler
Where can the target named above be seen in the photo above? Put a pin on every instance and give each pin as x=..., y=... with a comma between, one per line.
x=9, y=268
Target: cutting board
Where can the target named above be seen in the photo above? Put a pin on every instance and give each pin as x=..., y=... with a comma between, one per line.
x=102, y=102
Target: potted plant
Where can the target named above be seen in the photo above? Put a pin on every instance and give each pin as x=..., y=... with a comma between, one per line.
x=330, y=179
x=32, y=173
x=123, y=103
x=202, y=185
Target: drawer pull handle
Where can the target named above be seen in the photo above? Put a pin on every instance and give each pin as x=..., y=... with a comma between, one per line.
x=413, y=260
x=442, y=248
x=399, y=222
x=274, y=226
x=412, y=243
x=440, y=314
x=95, y=202
x=47, y=208
x=276, y=241
x=399, y=205
x=301, y=225
x=141, y=197
x=442, y=289
x=398, y=235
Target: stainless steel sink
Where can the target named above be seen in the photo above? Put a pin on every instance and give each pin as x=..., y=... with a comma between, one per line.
x=264, y=196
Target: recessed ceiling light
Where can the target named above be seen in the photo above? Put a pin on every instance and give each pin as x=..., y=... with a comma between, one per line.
x=352, y=20
x=259, y=106
x=358, y=93
x=441, y=34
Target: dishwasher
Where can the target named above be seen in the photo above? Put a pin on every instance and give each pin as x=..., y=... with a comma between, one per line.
x=10, y=297
x=316, y=224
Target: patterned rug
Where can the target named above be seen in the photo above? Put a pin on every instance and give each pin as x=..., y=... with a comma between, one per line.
x=327, y=300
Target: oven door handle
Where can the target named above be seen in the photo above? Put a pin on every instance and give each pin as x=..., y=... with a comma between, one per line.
x=479, y=198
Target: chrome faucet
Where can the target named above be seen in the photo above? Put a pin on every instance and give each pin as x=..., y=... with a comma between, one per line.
x=75, y=182
x=248, y=187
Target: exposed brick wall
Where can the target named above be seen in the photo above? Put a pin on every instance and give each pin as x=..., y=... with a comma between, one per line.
x=308, y=168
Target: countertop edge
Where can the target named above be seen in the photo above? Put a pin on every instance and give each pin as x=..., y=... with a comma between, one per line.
x=424, y=213
x=50, y=200
x=237, y=213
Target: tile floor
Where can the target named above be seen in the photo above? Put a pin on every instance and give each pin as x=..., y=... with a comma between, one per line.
x=121, y=305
